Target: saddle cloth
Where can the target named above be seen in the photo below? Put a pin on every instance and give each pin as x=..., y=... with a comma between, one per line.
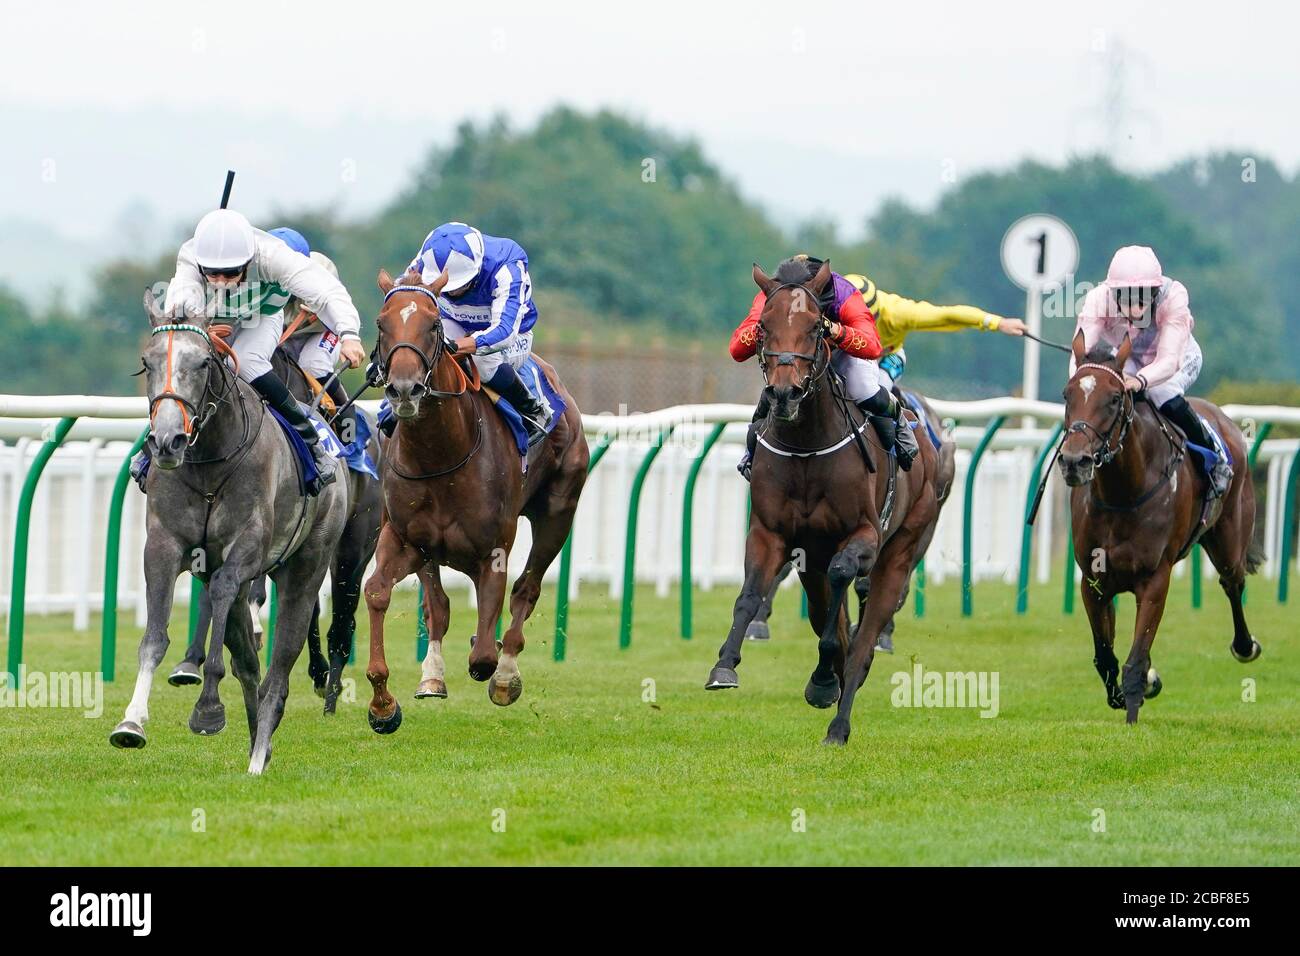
x=1207, y=457
x=305, y=458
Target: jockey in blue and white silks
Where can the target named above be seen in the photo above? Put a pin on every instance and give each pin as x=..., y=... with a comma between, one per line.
x=487, y=308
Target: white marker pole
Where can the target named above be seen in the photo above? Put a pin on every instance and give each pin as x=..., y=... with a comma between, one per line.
x=1034, y=321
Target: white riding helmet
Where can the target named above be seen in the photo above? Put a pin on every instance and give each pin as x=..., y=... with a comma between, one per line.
x=325, y=262
x=223, y=240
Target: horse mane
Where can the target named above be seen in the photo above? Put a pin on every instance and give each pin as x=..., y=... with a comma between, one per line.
x=1101, y=354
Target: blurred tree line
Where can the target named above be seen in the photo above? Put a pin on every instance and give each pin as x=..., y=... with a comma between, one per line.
x=633, y=235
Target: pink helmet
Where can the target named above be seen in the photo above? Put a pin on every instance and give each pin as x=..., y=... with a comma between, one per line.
x=1134, y=267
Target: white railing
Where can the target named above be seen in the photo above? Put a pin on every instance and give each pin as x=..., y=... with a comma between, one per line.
x=66, y=550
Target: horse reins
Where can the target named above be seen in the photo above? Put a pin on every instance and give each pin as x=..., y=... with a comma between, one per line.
x=1108, y=453
x=816, y=372
x=440, y=352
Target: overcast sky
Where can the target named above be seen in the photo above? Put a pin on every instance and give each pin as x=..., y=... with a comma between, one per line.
x=815, y=108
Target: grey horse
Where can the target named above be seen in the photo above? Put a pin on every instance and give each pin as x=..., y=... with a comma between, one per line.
x=225, y=502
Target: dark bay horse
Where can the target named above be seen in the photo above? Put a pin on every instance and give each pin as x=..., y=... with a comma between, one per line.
x=224, y=502
x=356, y=548
x=1137, y=508
x=758, y=629
x=826, y=496
x=453, y=491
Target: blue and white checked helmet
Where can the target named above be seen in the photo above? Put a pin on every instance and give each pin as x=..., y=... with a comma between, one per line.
x=456, y=247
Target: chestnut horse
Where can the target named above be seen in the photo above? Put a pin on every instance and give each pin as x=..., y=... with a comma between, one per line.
x=453, y=491
x=828, y=497
x=1138, y=507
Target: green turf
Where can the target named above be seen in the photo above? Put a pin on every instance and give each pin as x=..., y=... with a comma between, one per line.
x=588, y=772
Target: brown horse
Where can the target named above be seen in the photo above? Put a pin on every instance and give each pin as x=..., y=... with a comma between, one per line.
x=827, y=501
x=1138, y=507
x=453, y=491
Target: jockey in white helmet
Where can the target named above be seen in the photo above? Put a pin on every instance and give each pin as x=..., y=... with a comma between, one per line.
x=237, y=275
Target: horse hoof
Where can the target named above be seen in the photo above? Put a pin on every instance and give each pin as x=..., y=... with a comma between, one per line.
x=837, y=734
x=433, y=687
x=503, y=695
x=758, y=631
x=1154, y=684
x=1115, y=701
x=722, y=678
x=128, y=735
x=385, y=725
x=885, y=643
x=482, y=670
x=822, y=696
x=185, y=674
x=208, y=723
x=1255, y=651
x=320, y=690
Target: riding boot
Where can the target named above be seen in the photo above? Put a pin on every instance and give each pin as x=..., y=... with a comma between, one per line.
x=746, y=464
x=886, y=416
x=277, y=397
x=507, y=383
x=140, y=468
x=1178, y=411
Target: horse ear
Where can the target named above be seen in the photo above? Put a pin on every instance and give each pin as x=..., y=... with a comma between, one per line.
x=763, y=280
x=153, y=309
x=1076, y=347
x=439, y=282
x=822, y=277
x=385, y=281
x=1121, y=356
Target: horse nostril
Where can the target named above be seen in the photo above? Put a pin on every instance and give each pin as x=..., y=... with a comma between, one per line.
x=417, y=390
x=391, y=393
x=177, y=443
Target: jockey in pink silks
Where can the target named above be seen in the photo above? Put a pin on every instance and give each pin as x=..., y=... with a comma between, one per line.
x=1139, y=300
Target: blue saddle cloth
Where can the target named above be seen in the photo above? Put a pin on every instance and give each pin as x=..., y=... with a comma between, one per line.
x=355, y=454
x=305, y=457
x=530, y=373
x=915, y=404
x=1206, y=458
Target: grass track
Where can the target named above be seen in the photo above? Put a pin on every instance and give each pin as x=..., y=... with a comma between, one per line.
x=589, y=773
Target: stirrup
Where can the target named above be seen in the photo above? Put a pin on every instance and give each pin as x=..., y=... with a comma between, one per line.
x=746, y=466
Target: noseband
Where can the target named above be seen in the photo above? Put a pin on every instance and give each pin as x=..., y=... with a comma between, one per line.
x=430, y=362
x=1102, y=452
x=192, y=417
x=821, y=346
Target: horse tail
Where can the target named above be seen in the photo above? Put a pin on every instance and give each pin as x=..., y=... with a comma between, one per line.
x=1255, y=556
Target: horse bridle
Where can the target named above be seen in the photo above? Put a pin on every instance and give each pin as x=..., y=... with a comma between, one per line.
x=1123, y=418
x=193, y=417
x=430, y=362
x=821, y=346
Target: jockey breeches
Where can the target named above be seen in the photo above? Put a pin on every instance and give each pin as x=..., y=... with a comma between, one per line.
x=254, y=341
x=513, y=351
x=1181, y=380
x=862, y=377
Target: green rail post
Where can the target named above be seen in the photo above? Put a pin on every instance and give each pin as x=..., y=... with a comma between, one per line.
x=1288, y=515
x=22, y=526
x=1251, y=458
x=196, y=590
x=1067, y=605
x=1195, y=572
x=967, y=602
x=629, y=547
x=688, y=513
x=108, y=626
x=566, y=565
x=1026, y=535
x=920, y=588
x=421, y=627
x=270, y=622
x=803, y=603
